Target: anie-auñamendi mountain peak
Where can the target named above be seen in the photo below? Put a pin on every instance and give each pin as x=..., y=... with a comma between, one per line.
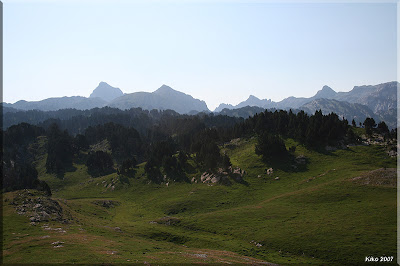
x=106, y=92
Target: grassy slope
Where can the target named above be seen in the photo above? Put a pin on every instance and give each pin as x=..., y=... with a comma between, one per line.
x=313, y=216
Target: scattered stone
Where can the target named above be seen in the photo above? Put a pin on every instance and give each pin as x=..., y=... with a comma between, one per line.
x=167, y=220
x=106, y=203
x=57, y=244
x=215, y=179
x=277, y=178
x=204, y=256
x=269, y=171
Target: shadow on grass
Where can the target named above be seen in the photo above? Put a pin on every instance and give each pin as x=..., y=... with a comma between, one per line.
x=288, y=163
x=60, y=174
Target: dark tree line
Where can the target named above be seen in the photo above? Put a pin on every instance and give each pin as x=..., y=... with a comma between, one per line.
x=17, y=169
x=165, y=140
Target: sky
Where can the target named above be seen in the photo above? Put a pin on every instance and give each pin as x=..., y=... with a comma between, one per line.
x=219, y=52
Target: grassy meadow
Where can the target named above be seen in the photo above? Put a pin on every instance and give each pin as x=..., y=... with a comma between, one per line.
x=320, y=213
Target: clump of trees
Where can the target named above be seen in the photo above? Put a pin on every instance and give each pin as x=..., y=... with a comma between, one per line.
x=313, y=131
x=125, y=142
x=270, y=147
x=371, y=127
x=60, y=150
x=128, y=167
x=99, y=163
x=164, y=139
x=163, y=159
x=17, y=168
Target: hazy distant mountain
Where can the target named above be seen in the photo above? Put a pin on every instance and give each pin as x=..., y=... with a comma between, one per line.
x=293, y=102
x=52, y=104
x=106, y=92
x=379, y=101
x=243, y=112
x=6, y=109
x=345, y=110
x=163, y=98
x=223, y=106
x=251, y=101
x=381, y=97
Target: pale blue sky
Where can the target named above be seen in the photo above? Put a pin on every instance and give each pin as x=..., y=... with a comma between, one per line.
x=216, y=52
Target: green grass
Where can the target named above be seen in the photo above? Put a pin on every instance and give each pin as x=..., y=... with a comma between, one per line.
x=315, y=215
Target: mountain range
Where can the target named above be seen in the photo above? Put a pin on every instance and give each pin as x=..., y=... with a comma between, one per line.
x=377, y=101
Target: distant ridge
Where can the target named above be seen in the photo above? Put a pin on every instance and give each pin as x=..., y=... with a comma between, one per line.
x=381, y=97
x=379, y=101
x=163, y=98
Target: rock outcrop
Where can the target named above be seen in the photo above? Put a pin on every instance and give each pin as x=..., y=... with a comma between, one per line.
x=221, y=176
x=38, y=206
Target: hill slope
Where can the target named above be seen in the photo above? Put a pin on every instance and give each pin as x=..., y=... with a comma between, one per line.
x=302, y=218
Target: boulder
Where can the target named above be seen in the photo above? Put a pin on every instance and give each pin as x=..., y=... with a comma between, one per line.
x=215, y=179
x=269, y=171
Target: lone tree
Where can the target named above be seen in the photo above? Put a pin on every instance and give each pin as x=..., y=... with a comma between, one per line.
x=369, y=124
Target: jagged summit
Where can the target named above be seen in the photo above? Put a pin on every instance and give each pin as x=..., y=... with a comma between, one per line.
x=326, y=92
x=164, y=89
x=252, y=97
x=106, y=92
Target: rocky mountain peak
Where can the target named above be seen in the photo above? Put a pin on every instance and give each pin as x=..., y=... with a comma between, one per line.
x=106, y=92
x=326, y=92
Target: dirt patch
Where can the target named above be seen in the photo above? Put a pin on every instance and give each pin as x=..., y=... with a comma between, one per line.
x=314, y=177
x=167, y=220
x=106, y=203
x=384, y=177
x=220, y=256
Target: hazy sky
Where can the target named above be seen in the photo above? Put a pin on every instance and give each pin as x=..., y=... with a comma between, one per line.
x=217, y=52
